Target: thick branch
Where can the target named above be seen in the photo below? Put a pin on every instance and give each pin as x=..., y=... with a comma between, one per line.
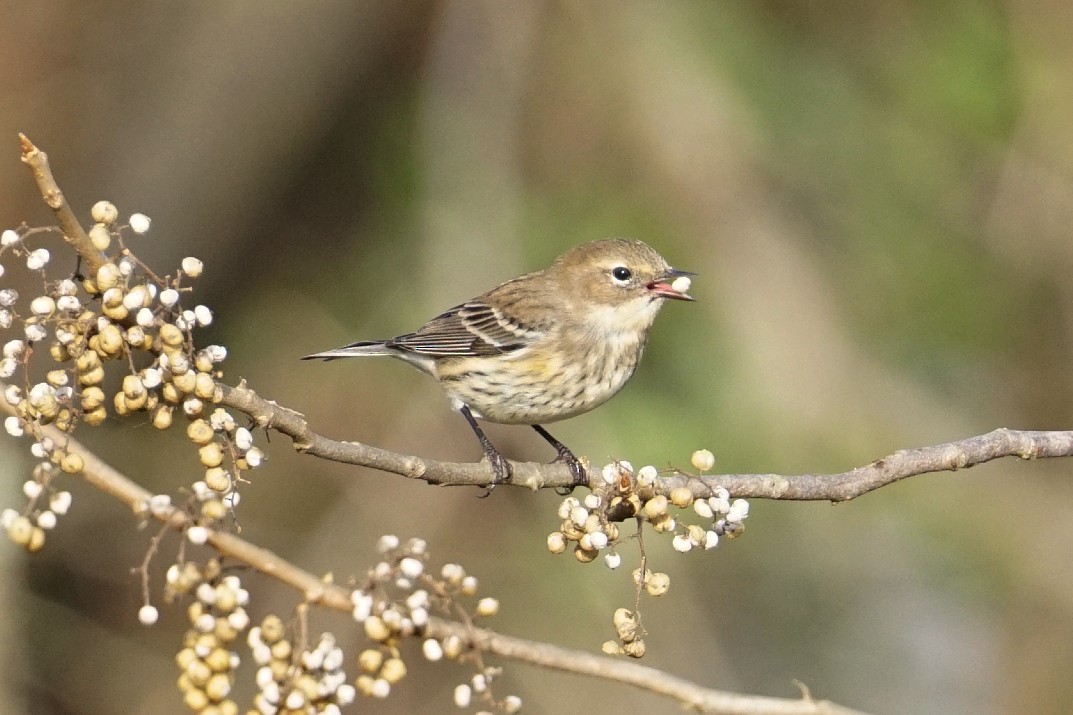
x=73, y=232
x=843, y=486
x=104, y=477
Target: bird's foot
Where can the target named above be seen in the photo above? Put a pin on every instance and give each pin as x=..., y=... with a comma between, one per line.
x=564, y=455
x=501, y=467
x=577, y=470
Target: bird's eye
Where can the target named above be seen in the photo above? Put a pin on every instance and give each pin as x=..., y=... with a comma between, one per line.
x=621, y=273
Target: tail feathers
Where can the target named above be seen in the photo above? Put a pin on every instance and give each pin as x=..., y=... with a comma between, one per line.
x=359, y=349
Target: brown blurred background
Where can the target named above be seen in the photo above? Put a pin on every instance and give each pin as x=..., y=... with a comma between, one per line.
x=877, y=198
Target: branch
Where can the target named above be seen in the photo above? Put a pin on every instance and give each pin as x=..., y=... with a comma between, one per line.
x=826, y=487
x=950, y=456
x=946, y=457
x=109, y=480
x=270, y=415
x=73, y=232
x=834, y=487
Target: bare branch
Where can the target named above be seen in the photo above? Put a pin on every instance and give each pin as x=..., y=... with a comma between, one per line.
x=844, y=486
x=828, y=487
x=269, y=415
x=73, y=232
x=947, y=457
x=107, y=479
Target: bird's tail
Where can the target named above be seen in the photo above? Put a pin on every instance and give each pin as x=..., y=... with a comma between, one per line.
x=359, y=349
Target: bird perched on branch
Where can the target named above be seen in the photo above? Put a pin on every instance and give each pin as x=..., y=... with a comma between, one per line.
x=545, y=346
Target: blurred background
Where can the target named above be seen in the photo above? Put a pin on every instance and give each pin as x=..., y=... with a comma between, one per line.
x=877, y=198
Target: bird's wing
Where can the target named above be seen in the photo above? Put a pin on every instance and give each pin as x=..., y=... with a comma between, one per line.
x=468, y=330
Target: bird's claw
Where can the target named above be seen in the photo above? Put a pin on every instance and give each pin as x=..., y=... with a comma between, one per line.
x=501, y=467
x=577, y=470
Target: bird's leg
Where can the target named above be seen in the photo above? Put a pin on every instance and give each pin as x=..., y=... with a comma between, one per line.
x=499, y=463
x=565, y=455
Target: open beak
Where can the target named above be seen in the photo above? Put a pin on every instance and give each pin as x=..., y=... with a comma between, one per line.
x=673, y=285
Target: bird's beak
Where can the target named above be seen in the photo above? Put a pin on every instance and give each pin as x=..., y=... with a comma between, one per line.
x=673, y=285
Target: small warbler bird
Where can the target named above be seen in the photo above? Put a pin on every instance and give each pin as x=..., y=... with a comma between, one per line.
x=545, y=346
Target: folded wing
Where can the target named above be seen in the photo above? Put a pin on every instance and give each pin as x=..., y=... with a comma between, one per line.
x=468, y=330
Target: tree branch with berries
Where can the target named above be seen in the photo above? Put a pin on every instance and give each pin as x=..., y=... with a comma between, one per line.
x=123, y=318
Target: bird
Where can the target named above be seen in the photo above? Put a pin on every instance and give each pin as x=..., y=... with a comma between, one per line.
x=542, y=347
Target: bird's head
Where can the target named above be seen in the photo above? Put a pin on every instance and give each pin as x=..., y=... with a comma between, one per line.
x=624, y=279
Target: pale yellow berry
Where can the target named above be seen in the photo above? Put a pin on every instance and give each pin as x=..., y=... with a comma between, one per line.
x=702, y=460
x=452, y=647
x=171, y=393
x=218, y=480
x=20, y=530
x=664, y=523
x=120, y=403
x=100, y=237
x=655, y=507
x=133, y=387
x=185, y=382
x=64, y=420
x=59, y=352
x=110, y=340
x=635, y=649
x=487, y=607
x=625, y=622
x=37, y=540
x=376, y=629
x=370, y=660
x=281, y=650
x=199, y=432
x=556, y=542
x=658, y=584
x=196, y=699
x=213, y=509
x=219, y=660
x=171, y=336
x=272, y=629
x=72, y=463
x=681, y=284
x=204, y=386
x=225, y=630
x=117, y=313
x=393, y=671
x=93, y=376
x=95, y=418
x=185, y=657
x=57, y=378
x=203, y=362
x=92, y=398
x=211, y=455
x=681, y=497
x=108, y=276
x=585, y=555
x=162, y=416
x=365, y=684
x=104, y=212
